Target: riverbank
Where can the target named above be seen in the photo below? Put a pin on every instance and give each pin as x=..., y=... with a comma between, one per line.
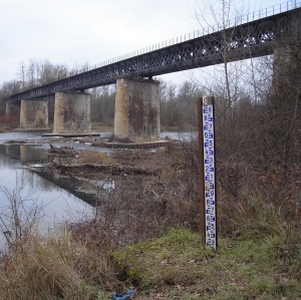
x=86, y=172
x=145, y=230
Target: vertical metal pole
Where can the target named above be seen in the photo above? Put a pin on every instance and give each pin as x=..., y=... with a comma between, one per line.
x=207, y=167
x=201, y=169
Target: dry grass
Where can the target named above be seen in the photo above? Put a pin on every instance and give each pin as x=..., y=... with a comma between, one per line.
x=53, y=268
x=259, y=221
x=96, y=157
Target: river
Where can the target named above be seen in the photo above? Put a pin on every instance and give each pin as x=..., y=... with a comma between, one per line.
x=36, y=199
x=28, y=192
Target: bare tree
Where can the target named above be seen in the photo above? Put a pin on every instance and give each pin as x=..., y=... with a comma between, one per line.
x=223, y=14
x=36, y=73
x=102, y=104
x=48, y=72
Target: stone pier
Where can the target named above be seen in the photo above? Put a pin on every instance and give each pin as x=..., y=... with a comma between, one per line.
x=283, y=121
x=72, y=114
x=34, y=114
x=137, y=110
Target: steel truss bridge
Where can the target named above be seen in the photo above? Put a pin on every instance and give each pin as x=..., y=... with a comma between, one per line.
x=253, y=37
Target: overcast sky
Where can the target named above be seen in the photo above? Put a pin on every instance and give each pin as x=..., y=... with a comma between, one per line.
x=76, y=32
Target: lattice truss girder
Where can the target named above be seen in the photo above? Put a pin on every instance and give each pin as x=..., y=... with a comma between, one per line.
x=244, y=41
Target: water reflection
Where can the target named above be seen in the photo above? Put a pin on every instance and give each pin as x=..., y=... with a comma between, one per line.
x=19, y=136
x=46, y=190
x=107, y=184
x=180, y=136
x=24, y=153
x=57, y=205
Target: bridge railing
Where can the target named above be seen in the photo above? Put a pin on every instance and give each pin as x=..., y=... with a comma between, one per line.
x=262, y=13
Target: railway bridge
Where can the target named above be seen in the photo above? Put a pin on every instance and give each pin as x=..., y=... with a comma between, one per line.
x=137, y=102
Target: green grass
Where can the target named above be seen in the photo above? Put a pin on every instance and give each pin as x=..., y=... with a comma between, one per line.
x=174, y=266
x=177, y=264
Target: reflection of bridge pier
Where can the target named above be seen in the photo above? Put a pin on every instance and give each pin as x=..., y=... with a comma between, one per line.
x=12, y=151
x=24, y=153
x=32, y=154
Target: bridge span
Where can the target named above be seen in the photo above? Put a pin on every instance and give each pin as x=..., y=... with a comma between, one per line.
x=137, y=103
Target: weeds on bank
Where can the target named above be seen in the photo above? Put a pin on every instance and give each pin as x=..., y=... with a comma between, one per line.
x=96, y=157
x=178, y=265
x=54, y=268
x=259, y=247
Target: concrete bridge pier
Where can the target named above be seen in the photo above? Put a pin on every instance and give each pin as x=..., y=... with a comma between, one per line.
x=34, y=114
x=137, y=110
x=72, y=114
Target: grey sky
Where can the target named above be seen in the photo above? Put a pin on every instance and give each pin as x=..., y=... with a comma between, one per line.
x=76, y=32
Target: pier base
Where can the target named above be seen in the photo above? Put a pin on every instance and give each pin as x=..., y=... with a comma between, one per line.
x=137, y=110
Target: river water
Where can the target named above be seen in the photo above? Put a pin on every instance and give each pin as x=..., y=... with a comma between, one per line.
x=22, y=189
x=36, y=199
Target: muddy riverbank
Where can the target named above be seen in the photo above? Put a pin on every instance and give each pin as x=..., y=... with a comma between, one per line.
x=132, y=190
x=89, y=174
x=86, y=167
